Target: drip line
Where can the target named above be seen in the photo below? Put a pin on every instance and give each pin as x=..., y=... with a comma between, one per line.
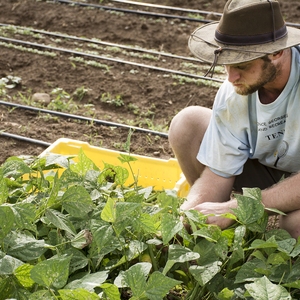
x=82, y=118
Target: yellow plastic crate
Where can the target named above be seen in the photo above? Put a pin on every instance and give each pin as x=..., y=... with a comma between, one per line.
x=159, y=173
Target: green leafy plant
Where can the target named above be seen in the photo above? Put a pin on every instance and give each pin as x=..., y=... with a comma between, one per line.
x=109, y=99
x=70, y=230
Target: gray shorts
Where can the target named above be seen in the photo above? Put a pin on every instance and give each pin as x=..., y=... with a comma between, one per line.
x=257, y=175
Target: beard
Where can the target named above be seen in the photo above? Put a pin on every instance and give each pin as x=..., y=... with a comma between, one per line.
x=268, y=74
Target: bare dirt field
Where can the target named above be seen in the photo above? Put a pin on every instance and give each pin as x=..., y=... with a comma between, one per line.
x=100, y=81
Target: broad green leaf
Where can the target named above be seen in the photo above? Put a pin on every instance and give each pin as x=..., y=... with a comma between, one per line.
x=116, y=174
x=111, y=291
x=178, y=254
x=78, y=261
x=11, y=290
x=122, y=175
x=3, y=188
x=287, y=245
x=294, y=274
x=52, y=273
x=103, y=237
x=53, y=199
x=247, y=271
x=83, y=165
x=70, y=178
x=259, y=225
x=109, y=212
x=146, y=223
x=6, y=220
x=195, y=216
x=22, y=273
x=203, y=274
x=170, y=226
x=24, y=215
x=254, y=193
x=226, y=294
x=207, y=251
x=78, y=294
x=124, y=158
x=135, y=249
x=211, y=233
x=88, y=282
x=296, y=250
x=57, y=159
x=262, y=289
x=135, y=276
x=169, y=203
x=60, y=221
x=24, y=246
x=279, y=234
x=237, y=247
x=278, y=258
x=15, y=167
x=221, y=247
x=77, y=202
x=249, y=210
x=146, y=192
x=275, y=211
x=158, y=286
x=44, y=294
x=126, y=215
x=9, y=264
x=81, y=239
x=294, y=284
x=261, y=244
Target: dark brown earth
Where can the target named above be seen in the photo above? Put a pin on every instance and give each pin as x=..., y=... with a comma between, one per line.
x=150, y=98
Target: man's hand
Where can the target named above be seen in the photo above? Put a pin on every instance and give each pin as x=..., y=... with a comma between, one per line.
x=216, y=209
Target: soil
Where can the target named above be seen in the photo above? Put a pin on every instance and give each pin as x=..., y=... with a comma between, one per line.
x=115, y=92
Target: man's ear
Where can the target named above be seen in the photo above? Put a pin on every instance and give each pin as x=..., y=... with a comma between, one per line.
x=277, y=54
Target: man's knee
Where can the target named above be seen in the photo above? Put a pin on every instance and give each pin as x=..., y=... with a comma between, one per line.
x=190, y=122
x=290, y=223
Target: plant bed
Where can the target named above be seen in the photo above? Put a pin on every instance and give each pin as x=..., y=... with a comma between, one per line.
x=86, y=235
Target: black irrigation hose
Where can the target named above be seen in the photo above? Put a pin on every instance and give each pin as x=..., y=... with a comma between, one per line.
x=180, y=9
x=109, y=59
x=151, y=13
x=99, y=42
x=81, y=118
x=24, y=139
x=139, y=12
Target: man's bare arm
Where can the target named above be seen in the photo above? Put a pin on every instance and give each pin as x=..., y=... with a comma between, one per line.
x=284, y=196
x=210, y=187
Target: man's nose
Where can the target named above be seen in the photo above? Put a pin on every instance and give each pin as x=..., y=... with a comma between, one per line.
x=233, y=74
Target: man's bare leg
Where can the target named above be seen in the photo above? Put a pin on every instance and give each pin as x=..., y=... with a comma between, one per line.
x=185, y=135
x=290, y=223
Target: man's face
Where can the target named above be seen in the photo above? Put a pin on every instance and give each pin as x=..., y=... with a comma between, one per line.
x=249, y=77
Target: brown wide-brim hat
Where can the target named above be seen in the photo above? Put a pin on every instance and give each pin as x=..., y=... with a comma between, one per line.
x=248, y=29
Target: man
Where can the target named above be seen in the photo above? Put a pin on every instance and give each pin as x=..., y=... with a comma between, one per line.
x=251, y=138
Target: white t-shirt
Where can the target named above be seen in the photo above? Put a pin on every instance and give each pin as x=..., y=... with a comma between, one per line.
x=242, y=127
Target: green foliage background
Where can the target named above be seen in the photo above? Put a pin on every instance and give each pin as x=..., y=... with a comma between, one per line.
x=72, y=231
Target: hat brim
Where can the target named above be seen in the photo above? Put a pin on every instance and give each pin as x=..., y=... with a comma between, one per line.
x=202, y=44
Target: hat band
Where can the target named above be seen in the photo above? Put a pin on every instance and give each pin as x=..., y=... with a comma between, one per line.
x=242, y=40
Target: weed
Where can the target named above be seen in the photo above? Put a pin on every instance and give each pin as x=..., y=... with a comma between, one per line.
x=62, y=101
x=91, y=63
x=89, y=109
x=80, y=92
x=196, y=16
x=28, y=49
x=134, y=108
x=109, y=99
